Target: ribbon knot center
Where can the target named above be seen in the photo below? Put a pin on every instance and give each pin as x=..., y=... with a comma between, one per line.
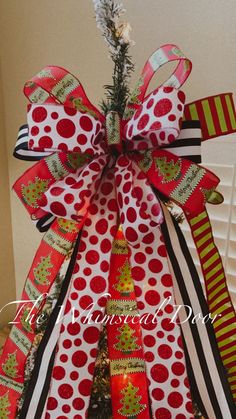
x=113, y=132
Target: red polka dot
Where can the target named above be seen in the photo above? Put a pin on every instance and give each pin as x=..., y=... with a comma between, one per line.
x=164, y=351
x=91, y=334
x=162, y=107
x=172, y=117
x=138, y=112
x=175, y=383
x=58, y=209
x=138, y=273
x=181, y=96
x=45, y=142
x=73, y=328
x=79, y=284
x=78, y=403
x=152, y=297
x=69, y=198
x=85, y=302
x=101, y=226
x=54, y=115
x=167, y=325
x=150, y=103
x=189, y=407
x=86, y=123
x=149, y=340
x=98, y=284
x=104, y=266
x=175, y=399
x=85, y=387
x=158, y=394
x=131, y=234
x=168, y=89
x=65, y=128
x=67, y=343
x=66, y=408
x=166, y=280
x=149, y=357
x=163, y=413
x=58, y=373
x=162, y=250
x=92, y=257
x=143, y=122
x=140, y=257
x=159, y=373
x=155, y=126
x=105, y=245
x=52, y=403
x=131, y=215
x=65, y=391
x=79, y=359
x=74, y=375
x=34, y=131
x=155, y=265
x=39, y=114
x=70, y=111
x=178, y=368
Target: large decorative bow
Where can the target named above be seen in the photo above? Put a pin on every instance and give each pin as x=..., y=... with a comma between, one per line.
x=83, y=152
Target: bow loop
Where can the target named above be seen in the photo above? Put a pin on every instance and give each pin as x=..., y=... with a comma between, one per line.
x=157, y=120
x=56, y=127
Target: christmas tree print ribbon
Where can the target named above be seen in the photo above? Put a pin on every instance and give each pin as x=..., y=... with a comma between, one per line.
x=87, y=151
x=56, y=245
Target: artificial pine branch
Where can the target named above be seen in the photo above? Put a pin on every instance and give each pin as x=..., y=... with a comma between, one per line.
x=108, y=13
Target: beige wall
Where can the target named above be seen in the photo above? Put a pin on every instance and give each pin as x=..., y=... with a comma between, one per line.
x=63, y=32
x=7, y=274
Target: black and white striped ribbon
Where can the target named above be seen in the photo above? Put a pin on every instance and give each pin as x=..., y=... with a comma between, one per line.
x=188, y=143
x=207, y=376
x=22, y=151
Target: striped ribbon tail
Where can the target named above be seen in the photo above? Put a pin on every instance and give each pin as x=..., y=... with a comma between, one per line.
x=216, y=114
x=219, y=300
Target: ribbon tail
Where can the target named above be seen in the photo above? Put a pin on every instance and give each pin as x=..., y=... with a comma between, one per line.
x=207, y=375
x=162, y=341
x=84, y=311
x=219, y=301
x=129, y=388
x=55, y=247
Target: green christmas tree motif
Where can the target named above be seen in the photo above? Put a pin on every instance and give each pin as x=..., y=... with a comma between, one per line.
x=25, y=320
x=146, y=163
x=169, y=169
x=78, y=104
x=33, y=191
x=41, y=272
x=4, y=405
x=125, y=283
x=76, y=160
x=67, y=226
x=126, y=340
x=10, y=366
x=131, y=405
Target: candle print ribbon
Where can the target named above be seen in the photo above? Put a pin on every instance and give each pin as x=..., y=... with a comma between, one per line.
x=101, y=172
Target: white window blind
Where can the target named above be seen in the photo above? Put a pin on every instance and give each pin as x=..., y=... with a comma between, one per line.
x=219, y=156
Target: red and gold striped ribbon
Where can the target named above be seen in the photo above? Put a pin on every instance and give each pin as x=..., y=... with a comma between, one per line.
x=219, y=300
